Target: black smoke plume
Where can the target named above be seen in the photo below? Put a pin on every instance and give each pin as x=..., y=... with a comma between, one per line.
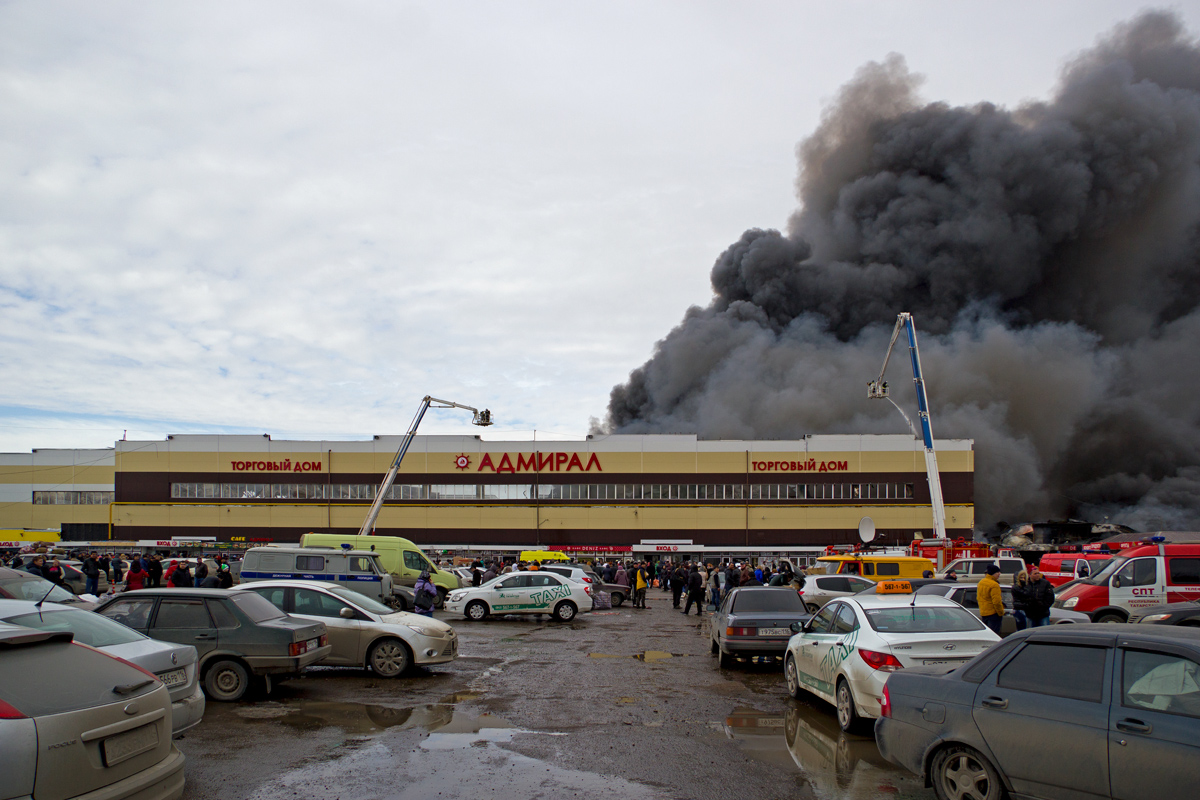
x=1049, y=255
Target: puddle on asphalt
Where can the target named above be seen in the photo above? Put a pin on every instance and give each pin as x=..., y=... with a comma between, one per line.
x=645, y=655
x=364, y=719
x=806, y=739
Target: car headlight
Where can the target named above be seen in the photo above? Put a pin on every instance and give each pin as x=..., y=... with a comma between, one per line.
x=425, y=631
x=454, y=597
x=1070, y=602
x=1155, y=618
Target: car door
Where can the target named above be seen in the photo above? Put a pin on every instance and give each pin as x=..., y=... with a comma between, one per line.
x=1153, y=746
x=185, y=620
x=345, y=635
x=968, y=598
x=1138, y=585
x=812, y=652
x=546, y=590
x=1044, y=715
x=508, y=595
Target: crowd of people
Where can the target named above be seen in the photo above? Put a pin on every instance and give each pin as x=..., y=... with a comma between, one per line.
x=125, y=571
x=693, y=583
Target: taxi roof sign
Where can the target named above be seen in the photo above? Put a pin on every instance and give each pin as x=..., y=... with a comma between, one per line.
x=893, y=587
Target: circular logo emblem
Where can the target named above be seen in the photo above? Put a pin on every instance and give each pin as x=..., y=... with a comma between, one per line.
x=462, y=461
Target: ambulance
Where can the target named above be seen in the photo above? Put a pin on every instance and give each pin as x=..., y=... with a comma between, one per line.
x=1137, y=579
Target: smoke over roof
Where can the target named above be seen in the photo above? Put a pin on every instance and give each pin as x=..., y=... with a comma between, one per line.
x=1049, y=255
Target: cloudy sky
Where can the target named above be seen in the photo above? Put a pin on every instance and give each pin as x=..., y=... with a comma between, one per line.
x=300, y=218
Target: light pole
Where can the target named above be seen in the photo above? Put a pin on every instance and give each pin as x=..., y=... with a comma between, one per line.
x=481, y=418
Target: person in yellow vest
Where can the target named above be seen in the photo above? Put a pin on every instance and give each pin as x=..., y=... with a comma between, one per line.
x=639, y=587
x=991, y=600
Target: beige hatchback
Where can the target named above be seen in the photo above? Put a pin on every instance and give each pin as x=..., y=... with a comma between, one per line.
x=75, y=721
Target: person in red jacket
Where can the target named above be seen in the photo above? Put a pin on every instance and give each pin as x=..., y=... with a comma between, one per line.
x=135, y=578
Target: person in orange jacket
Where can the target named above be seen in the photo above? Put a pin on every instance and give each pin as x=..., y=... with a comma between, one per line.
x=991, y=600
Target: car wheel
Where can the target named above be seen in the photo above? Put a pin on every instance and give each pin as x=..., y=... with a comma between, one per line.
x=226, y=681
x=960, y=773
x=565, y=611
x=791, y=675
x=617, y=599
x=388, y=658
x=476, y=610
x=726, y=660
x=1112, y=616
x=716, y=648
x=440, y=600
x=848, y=718
x=812, y=607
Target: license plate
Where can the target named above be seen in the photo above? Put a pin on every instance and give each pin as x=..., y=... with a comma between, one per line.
x=774, y=632
x=931, y=662
x=176, y=677
x=132, y=743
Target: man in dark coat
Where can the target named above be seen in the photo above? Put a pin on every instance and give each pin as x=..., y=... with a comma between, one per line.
x=695, y=585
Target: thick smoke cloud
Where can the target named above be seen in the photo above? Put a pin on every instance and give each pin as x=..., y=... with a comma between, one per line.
x=1049, y=255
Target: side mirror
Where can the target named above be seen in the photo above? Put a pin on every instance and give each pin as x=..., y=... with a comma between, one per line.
x=797, y=627
x=1116, y=581
x=346, y=613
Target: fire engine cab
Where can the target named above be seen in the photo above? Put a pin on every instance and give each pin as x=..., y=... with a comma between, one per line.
x=1136, y=579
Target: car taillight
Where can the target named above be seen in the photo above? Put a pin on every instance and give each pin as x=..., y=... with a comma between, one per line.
x=586, y=579
x=587, y=590
x=324, y=640
x=741, y=631
x=297, y=648
x=8, y=712
x=885, y=705
x=881, y=661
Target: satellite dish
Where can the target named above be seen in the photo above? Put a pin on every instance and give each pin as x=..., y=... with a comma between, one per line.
x=866, y=530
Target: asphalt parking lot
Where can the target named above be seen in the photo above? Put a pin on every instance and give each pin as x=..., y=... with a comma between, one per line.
x=624, y=704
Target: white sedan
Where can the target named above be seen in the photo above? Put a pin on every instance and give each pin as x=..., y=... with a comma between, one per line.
x=846, y=652
x=533, y=592
x=362, y=631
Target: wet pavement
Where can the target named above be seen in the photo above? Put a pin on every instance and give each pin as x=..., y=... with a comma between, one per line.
x=629, y=703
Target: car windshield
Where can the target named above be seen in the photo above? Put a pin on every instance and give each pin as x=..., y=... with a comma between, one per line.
x=35, y=588
x=768, y=600
x=361, y=600
x=1101, y=575
x=89, y=628
x=255, y=606
x=923, y=619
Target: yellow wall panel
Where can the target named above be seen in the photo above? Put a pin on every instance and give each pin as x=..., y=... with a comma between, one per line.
x=613, y=517
x=721, y=462
x=717, y=518
x=508, y=517
x=886, y=461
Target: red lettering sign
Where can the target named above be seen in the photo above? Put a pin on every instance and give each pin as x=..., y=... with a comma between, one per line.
x=539, y=462
x=287, y=465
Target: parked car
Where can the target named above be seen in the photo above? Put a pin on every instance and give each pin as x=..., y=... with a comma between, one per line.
x=1094, y=711
x=1138, y=579
x=584, y=574
x=173, y=664
x=972, y=570
x=846, y=652
x=1185, y=614
x=77, y=722
x=363, y=632
x=236, y=634
x=360, y=570
x=75, y=579
x=967, y=596
x=17, y=584
x=755, y=621
x=1060, y=568
x=820, y=589
x=535, y=592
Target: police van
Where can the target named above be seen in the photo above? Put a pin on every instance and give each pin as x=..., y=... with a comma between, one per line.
x=357, y=570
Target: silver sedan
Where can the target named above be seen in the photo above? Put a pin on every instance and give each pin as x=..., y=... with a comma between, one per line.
x=173, y=664
x=362, y=632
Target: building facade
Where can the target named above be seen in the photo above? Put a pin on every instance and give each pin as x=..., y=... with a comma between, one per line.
x=457, y=491
x=59, y=492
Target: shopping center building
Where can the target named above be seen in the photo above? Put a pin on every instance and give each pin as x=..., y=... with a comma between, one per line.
x=463, y=492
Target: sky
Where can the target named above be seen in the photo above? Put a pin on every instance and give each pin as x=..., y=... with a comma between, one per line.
x=300, y=218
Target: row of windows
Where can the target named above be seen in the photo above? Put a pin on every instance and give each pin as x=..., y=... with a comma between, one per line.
x=72, y=498
x=543, y=492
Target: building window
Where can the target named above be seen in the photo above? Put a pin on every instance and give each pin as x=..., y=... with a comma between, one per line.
x=72, y=498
